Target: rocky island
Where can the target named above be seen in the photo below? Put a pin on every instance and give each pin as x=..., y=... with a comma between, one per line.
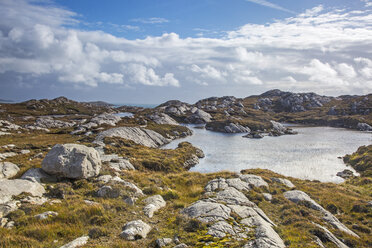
x=76, y=174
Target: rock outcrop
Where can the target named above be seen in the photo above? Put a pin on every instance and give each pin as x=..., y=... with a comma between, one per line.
x=298, y=196
x=199, y=117
x=10, y=188
x=161, y=118
x=223, y=198
x=138, y=135
x=364, y=127
x=72, y=161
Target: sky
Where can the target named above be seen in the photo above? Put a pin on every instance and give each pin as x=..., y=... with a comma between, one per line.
x=151, y=51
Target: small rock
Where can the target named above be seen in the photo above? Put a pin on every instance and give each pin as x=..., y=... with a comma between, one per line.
x=134, y=230
x=46, y=215
x=154, y=203
x=77, y=242
x=8, y=170
x=130, y=201
x=267, y=196
x=181, y=246
x=283, y=181
x=108, y=192
x=345, y=174
x=163, y=242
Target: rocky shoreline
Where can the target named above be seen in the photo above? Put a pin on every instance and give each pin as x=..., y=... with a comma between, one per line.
x=89, y=178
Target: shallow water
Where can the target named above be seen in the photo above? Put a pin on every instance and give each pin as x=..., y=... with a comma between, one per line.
x=312, y=154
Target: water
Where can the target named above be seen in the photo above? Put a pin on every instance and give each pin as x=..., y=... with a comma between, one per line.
x=312, y=154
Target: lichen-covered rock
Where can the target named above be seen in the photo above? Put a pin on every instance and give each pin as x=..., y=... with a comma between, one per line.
x=153, y=204
x=254, y=180
x=232, y=196
x=216, y=184
x=8, y=170
x=207, y=211
x=72, y=161
x=10, y=188
x=221, y=229
x=134, y=230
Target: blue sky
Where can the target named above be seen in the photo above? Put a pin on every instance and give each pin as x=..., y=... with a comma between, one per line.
x=136, y=19
x=150, y=51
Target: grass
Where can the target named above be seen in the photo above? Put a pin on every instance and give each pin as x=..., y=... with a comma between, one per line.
x=361, y=160
x=146, y=158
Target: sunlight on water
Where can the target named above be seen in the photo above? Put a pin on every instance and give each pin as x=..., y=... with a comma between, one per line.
x=312, y=154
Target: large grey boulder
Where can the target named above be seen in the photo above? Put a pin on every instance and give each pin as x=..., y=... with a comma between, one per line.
x=72, y=161
x=136, y=229
x=8, y=170
x=138, y=135
x=10, y=188
x=153, y=204
x=207, y=211
x=77, y=242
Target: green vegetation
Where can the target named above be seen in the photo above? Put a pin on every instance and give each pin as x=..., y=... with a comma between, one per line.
x=142, y=157
x=361, y=160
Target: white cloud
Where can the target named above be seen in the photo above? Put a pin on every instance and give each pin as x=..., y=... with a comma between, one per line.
x=151, y=20
x=318, y=49
x=138, y=73
x=367, y=3
x=270, y=5
x=346, y=70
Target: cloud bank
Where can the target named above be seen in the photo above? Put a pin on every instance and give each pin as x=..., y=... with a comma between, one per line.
x=327, y=51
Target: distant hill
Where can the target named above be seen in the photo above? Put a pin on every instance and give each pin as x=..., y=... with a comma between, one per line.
x=101, y=104
x=5, y=101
